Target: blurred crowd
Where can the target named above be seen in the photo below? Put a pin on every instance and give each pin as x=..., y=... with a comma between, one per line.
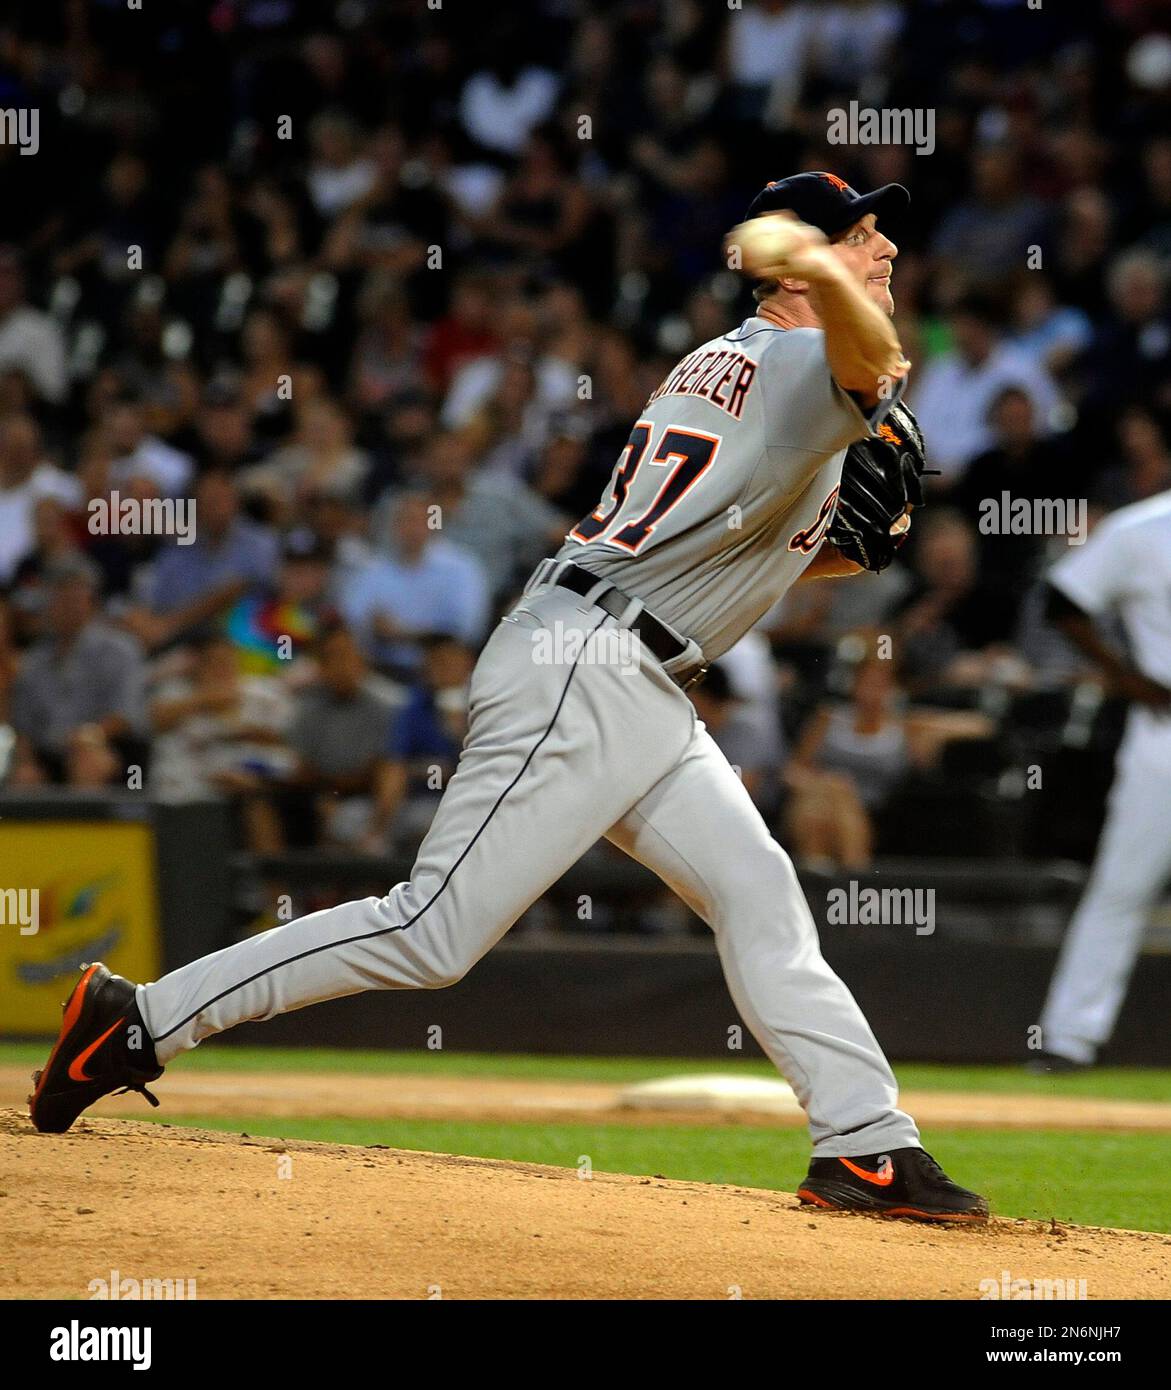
x=383, y=286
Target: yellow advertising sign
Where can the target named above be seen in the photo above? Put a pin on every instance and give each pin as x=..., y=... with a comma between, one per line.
x=71, y=892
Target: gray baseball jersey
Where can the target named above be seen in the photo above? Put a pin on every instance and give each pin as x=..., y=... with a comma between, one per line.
x=728, y=483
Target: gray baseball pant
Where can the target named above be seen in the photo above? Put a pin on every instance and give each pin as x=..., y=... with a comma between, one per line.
x=560, y=753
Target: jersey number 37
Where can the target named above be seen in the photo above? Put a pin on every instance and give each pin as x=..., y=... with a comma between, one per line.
x=687, y=454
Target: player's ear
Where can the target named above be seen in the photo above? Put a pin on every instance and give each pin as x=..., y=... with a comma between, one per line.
x=792, y=286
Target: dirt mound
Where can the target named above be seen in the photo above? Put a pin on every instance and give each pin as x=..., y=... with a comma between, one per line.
x=249, y=1217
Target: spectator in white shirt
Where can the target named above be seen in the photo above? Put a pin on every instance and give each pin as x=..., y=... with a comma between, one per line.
x=139, y=454
x=30, y=341
x=505, y=100
x=423, y=584
x=953, y=398
x=338, y=174
x=768, y=45
x=25, y=478
x=218, y=733
x=1046, y=330
x=498, y=519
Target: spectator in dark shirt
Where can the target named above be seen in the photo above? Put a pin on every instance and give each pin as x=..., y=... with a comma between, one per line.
x=1130, y=356
x=989, y=236
x=851, y=758
x=80, y=673
x=1145, y=466
x=393, y=225
x=716, y=704
x=953, y=627
x=339, y=738
x=423, y=745
x=54, y=542
x=467, y=330
x=224, y=427
x=1022, y=466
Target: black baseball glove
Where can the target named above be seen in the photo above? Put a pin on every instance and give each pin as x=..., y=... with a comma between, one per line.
x=881, y=477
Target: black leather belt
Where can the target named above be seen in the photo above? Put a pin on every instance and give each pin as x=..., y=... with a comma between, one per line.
x=658, y=639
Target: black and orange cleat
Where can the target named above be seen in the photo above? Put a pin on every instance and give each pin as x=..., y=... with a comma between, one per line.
x=103, y=1046
x=904, y=1182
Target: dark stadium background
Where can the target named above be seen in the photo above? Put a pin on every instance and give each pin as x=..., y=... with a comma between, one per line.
x=489, y=234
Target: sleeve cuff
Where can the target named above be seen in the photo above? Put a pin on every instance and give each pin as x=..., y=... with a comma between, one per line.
x=871, y=416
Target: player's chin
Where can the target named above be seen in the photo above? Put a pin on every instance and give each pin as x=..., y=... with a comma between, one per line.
x=880, y=292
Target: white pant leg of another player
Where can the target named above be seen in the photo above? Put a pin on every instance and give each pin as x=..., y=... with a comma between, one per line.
x=700, y=832
x=1131, y=867
x=557, y=750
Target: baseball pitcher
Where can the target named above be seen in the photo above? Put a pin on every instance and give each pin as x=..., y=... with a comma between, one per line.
x=777, y=452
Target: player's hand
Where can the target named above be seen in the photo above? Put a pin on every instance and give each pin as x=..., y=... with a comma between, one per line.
x=386, y=626
x=235, y=779
x=830, y=563
x=1142, y=690
x=151, y=629
x=374, y=842
x=780, y=246
x=219, y=698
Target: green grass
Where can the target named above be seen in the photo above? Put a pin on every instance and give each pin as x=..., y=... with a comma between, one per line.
x=1117, y=1083
x=1077, y=1175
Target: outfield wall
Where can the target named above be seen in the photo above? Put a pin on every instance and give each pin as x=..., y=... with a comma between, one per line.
x=959, y=978
x=954, y=1002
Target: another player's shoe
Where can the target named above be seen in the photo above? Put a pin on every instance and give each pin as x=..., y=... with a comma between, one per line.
x=904, y=1182
x=103, y=1046
x=1054, y=1064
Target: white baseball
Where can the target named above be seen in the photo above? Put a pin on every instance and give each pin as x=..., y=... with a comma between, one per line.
x=768, y=242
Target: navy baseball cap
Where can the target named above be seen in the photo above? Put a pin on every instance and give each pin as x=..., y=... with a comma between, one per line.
x=826, y=201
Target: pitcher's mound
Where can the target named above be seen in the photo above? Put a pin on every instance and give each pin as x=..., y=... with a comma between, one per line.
x=247, y=1217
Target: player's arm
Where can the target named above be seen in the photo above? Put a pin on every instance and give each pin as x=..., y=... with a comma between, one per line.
x=390, y=791
x=801, y=769
x=154, y=629
x=861, y=346
x=1123, y=676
